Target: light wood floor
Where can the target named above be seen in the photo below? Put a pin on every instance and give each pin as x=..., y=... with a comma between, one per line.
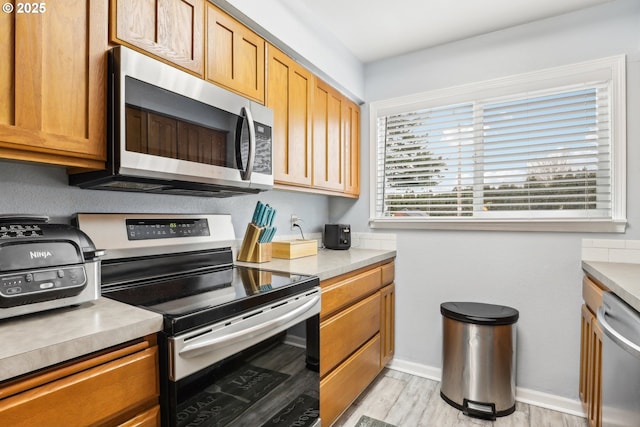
x=410, y=401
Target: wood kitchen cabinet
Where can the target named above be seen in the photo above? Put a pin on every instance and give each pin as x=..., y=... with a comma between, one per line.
x=328, y=138
x=170, y=30
x=590, y=387
x=316, y=131
x=351, y=129
x=289, y=94
x=235, y=55
x=356, y=335
x=118, y=386
x=53, y=84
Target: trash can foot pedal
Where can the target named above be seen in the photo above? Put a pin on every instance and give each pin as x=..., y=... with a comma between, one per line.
x=486, y=411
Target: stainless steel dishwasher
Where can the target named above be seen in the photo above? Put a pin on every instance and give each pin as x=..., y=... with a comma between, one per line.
x=620, y=325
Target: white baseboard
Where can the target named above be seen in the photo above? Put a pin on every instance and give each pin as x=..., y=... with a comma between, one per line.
x=524, y=395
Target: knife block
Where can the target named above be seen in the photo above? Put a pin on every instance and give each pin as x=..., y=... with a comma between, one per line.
x=251, y=250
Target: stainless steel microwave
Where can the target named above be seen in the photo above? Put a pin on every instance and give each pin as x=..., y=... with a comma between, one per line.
x=173, y=133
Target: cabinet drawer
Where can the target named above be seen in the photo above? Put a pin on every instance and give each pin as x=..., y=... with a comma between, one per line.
x=388, y=273
x=592, y=293
x=89, y=397
x=341, y=335
x=347, y=291
x=339, y=389
x=149, y=418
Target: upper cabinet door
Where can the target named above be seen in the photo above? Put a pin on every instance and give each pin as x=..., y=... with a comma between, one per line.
x=53, y=84
x=172, y=30
x=235, y=55
x=289, y=94
x=328, y=138
x=351, y=128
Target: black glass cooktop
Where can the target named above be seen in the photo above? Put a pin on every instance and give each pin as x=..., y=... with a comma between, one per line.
x=189, y=293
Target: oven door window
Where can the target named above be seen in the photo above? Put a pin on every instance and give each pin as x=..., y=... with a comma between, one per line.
x=268, y=384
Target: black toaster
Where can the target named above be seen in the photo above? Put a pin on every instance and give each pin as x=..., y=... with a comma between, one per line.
x=337, y=236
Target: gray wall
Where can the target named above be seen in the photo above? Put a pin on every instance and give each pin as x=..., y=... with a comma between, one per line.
x=37, y=189
x=537, y=273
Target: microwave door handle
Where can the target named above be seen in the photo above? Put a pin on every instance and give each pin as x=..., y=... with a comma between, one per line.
x=246, y=174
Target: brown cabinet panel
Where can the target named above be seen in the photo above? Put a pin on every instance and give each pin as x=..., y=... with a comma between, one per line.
x=388, y=273
x=590, y=385
x=235, y=55
x=171, y=30
x=595, y=376
x=328, y=138
x=348, y=291
x=592, y=293
x=345, y=332
x=150, y=418
x=342, y=386
x=387, y=324
x=585, y=354
x=53, y=78
x=289, y=94
x=96, y=396
x=351, y=124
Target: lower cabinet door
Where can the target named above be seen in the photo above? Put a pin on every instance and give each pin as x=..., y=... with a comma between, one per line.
x=345, y=332
x=342, y=386
x=149, y=418
x=96, y=396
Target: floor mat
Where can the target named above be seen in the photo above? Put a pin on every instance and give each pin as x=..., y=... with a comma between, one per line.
x=302, y=411
x=365, y=421
x=229, y=397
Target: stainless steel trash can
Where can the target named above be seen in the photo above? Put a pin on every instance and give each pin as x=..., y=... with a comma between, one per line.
x=479, y=358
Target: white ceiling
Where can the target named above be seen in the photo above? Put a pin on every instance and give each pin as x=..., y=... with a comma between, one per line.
x=376, y=29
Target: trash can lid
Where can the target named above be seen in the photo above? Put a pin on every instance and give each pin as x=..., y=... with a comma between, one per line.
x=479, y=313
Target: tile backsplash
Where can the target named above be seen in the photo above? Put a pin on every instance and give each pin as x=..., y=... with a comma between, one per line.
x=627, y=251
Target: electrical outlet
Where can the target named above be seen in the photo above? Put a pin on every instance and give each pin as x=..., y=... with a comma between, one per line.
x=294, y=220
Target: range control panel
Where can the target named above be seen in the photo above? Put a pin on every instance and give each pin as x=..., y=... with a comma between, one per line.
x=23, y=288
x=144, y=229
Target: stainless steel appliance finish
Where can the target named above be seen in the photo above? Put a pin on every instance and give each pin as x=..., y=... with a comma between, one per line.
x=174, y=133
x=45, y=266
x=478, y=362
x=239, y=346
x=620, y=326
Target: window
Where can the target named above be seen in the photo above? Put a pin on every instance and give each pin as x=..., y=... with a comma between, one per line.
x=541, y=151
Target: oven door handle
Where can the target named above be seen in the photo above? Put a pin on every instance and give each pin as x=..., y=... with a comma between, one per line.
x=205, y=345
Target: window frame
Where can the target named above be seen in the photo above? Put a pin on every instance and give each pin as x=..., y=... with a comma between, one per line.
x=611, y=68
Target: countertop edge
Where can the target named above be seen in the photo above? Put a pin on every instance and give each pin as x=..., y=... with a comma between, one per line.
x=98, y=337
x=623, y=279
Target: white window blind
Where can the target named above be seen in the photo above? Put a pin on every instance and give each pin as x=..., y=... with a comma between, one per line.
x=543, y=154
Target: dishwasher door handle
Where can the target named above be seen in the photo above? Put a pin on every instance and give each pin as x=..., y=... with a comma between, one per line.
x=618, y=338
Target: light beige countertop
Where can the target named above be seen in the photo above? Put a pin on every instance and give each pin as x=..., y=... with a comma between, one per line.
x=327, y=263
x=623, y=279
x=43, y=339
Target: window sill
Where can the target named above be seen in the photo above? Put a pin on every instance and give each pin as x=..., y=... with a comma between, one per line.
x=568, y=226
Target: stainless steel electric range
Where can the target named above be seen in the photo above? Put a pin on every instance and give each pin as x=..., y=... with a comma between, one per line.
x=239, y=346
